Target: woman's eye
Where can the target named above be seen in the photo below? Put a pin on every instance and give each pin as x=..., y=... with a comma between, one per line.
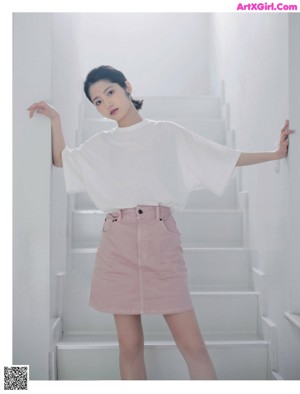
x=97, y=102
x=110, y=92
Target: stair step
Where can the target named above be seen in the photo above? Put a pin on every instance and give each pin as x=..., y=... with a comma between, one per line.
x=218, y=268
x=164, y=108
x=78, y=340
x=207, y=228
x=208, y=268
x=205, y=199
x=210, y=227
x=213, y=129
x=217, y=312
x=95, y=357
x=202, y=107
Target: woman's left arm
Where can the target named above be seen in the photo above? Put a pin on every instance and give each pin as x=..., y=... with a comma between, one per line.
x=246, y=158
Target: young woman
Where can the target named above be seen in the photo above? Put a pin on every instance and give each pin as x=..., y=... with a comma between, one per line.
x=138, y=174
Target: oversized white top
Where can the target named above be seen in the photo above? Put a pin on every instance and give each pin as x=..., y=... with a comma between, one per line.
x=149, y=163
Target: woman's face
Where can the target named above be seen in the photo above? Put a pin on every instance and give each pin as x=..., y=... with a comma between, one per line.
x=111, y=100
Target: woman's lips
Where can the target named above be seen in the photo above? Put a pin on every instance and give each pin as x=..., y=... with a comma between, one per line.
x=113, y=111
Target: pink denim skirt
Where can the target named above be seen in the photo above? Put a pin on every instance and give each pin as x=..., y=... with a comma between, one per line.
x=139, y=267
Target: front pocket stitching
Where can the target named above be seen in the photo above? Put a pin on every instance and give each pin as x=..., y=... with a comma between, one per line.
x=111, y=225
x=166, y=228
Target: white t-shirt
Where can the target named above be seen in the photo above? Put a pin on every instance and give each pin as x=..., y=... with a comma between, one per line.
x=148, y=163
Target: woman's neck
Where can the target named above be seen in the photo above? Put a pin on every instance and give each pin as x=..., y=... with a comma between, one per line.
x=131, y=118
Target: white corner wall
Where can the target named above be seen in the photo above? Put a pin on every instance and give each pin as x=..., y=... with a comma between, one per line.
x=294, y=168
x=46, y=67
x=66, y=94
x=161, y=54
x=31, y=193
x=250, y=52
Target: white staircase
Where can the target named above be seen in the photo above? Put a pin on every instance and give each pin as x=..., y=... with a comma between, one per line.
x=219, y=274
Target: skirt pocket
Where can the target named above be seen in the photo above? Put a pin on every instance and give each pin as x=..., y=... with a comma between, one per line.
x=170, y=224
x=109, y=222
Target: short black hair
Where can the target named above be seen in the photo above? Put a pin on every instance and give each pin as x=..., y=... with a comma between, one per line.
x=110, y=74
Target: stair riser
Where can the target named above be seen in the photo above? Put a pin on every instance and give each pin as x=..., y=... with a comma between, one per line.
x=218, y=269
x=211, y=228
x=216, y=313
x=163, y=363
x=170, y=107
x=205, y=199
x=203, y=228
x=207, y=268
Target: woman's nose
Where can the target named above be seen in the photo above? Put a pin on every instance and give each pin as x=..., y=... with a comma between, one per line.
x=108, y=103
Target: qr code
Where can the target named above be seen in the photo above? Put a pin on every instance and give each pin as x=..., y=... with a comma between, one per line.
x=16, y=377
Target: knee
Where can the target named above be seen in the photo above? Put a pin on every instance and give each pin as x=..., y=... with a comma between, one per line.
x=194, y=351
x=131, y=347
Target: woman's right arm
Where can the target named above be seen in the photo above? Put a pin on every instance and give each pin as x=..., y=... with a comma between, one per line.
x=58, y=142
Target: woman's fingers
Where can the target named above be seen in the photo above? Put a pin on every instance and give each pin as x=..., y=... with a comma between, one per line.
x=285, y=131
x=285, y=134
x=32, y=109
x=284, y=128
x=37, y=107
x=286, y=124
x=284, y=139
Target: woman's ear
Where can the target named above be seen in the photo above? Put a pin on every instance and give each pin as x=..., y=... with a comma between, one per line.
x=128, y=87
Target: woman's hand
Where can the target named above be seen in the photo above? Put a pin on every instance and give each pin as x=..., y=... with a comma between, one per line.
x=246, y=159
x=43, y=108
x=58, y=142
x=282, y=149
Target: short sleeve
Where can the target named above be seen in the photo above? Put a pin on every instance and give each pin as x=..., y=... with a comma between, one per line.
x=72, y=165
x=205, y=163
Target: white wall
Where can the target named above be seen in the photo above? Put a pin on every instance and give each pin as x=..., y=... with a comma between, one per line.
x=250, y=53
x=159, y=53
x=294, y=168
x=46, y=67
x=31, y=193
x=66, y=95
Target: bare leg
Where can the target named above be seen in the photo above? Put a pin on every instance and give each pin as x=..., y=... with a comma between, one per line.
x=186, y=333
x=131, y=344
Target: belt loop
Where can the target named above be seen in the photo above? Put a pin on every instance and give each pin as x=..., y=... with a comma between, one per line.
x=120, y=214
x=157, y=212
